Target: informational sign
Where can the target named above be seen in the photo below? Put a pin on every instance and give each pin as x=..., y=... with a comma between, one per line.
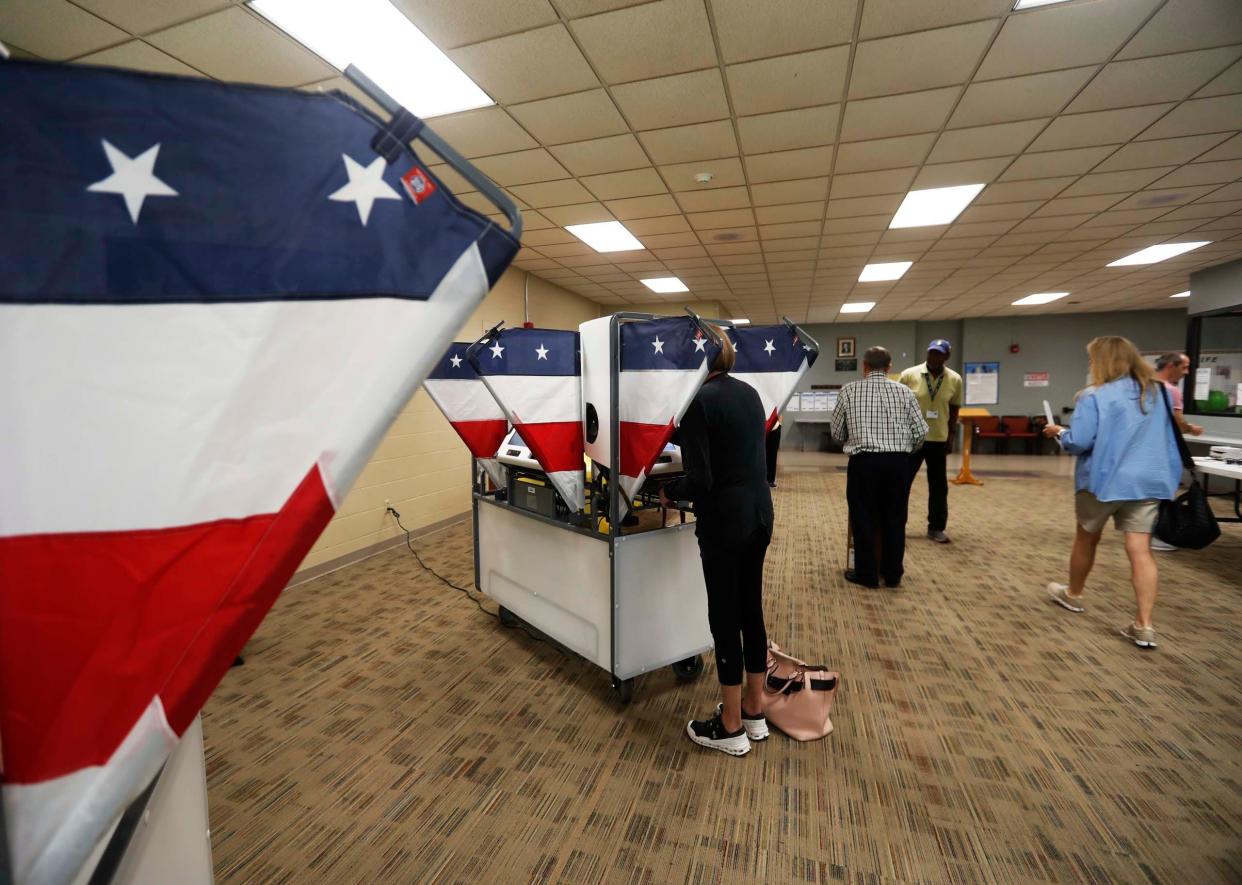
x=832, y=399
x=1203, y=382
x=808, y=402
x=982, y=384
x=821, y=401
x=1035, y=379
x=795, y=403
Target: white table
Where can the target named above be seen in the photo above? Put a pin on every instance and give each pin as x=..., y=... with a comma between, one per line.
x=1212, y=467
x=1215, y=439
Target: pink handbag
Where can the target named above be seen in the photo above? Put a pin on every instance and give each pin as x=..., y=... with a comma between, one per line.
x=797, y=696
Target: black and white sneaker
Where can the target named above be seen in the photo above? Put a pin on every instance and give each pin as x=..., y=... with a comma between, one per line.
x=756, y=726
x=711, y=733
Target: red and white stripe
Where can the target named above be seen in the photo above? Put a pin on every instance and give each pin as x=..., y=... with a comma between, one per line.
x=145, y=452
x=476, y=416
x=651, y=405
x=774, y=389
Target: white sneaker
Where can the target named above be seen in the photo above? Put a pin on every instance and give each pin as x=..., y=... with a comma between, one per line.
x=711, y=733
x=756, y=728
x=1157, y=544
x=1060, y=595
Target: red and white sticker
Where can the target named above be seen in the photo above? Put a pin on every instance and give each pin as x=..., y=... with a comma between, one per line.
x=418, y=184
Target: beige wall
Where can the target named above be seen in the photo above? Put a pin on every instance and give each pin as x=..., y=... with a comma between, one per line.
x=421, y=465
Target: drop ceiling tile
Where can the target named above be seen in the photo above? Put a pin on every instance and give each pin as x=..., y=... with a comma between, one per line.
x=450, y=25
x=452, y=179
x=1216, y=194
x=564, y=250
x=726, y=172
x=976, y=213
x=853, y=224
x=1124, y=217
x=965, y=172
x=1151, y=80
x=884, y=17
x=483, y=132
x=801, y=80
x=681, y=144
x=643, y=207
x=883, y=153
x=580, y=8
x=235, y=45
x=1169, y=198
x=1055, y=163
x=712, y=200
x=1227, y=83
x=897, y=114
x=981, y=229
x=862, y=184
x=647, y=41
x=522, y=167
x=138, y=56
x=788, y=165
x=727, y=218
x=58, y=30
x=1019, y=191
x=858, y=206
x=673, y=101
x=1078, y=205
x=788, y=130
x=1018, y=98
x=620, y=185
x=1202, y=210
x=527, y=66
x=670, y=241
x=1228, y=150
x=613, y=154
x=796, y=191
x=999, y=140
x=1097, y=127
x=680, y=252
x=1187, y=24
x=790, y=213
x=1221, y=172
x=780, y=28
x=585, y=115
x=1218, y=114
x=668, y=224
x=1114, y=182
x=547, y=237
x=553, y=193
x=940, y=57
x=1062, y=36
x=1163, y=152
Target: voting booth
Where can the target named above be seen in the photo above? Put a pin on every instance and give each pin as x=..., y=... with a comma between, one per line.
x=573, y=543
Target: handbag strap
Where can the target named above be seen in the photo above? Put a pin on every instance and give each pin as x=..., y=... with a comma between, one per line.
x=1182, y=448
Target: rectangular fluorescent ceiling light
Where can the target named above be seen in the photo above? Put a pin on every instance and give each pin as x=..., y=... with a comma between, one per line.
x=1152, y=254
x=1031, y=4
x=665, y=284
x=857, y=307
x=892, y=270
x=605, y=236
x=937, y=205
x=1039, y=298
x=1181, y=295
x=740, y=322
x=384, y=44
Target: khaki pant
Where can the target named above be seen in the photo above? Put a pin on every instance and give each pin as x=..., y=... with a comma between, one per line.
x=1130, y=516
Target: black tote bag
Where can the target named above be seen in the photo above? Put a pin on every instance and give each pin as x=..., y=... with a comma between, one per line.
x=1186, y=521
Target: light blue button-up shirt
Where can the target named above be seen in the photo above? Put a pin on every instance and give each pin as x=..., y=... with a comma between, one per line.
x=1124, y=453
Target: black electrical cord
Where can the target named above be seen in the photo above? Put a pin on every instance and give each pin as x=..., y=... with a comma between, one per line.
x=463, y=590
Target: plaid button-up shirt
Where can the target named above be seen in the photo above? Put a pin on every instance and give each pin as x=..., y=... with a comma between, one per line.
x=878, y=415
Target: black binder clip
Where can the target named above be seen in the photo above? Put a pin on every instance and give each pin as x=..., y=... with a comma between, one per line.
x=390, y=141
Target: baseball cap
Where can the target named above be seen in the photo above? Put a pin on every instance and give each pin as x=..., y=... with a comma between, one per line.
x=940, y=344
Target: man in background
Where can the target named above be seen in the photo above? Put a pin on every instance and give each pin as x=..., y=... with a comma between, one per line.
x=880, y=423
x=1171, y=368
x=939, y=392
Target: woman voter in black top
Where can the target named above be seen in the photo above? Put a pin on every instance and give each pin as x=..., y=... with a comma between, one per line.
x=722, y=438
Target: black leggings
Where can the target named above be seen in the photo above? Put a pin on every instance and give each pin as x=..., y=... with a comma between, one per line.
x=734, y=578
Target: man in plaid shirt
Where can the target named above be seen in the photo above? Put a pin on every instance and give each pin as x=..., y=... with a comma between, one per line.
x=880, y=423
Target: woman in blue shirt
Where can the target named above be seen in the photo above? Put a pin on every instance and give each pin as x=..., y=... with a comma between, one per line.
x=1127, y=464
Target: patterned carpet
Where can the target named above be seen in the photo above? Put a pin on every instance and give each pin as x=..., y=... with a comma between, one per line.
x=384, y=730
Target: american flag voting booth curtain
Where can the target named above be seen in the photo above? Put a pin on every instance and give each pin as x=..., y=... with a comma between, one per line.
x=214, y=301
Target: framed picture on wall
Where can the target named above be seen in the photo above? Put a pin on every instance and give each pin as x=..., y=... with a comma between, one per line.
x=845, y=348
x=847, y=365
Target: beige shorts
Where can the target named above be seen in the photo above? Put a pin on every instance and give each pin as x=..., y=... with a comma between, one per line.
x=1130, y=516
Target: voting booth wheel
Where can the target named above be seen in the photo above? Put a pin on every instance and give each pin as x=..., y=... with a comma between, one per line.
x=508, y=618
x=689, y=669
x=624, y=689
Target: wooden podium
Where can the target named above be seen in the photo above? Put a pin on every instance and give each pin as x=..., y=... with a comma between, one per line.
x=967, y=418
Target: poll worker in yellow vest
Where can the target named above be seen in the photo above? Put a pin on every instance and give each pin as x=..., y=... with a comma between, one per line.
x=939, y=392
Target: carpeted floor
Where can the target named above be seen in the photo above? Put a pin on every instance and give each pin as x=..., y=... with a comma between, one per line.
x=384, y=730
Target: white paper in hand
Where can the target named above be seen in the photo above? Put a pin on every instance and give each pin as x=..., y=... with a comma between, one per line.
x=1048, y=412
